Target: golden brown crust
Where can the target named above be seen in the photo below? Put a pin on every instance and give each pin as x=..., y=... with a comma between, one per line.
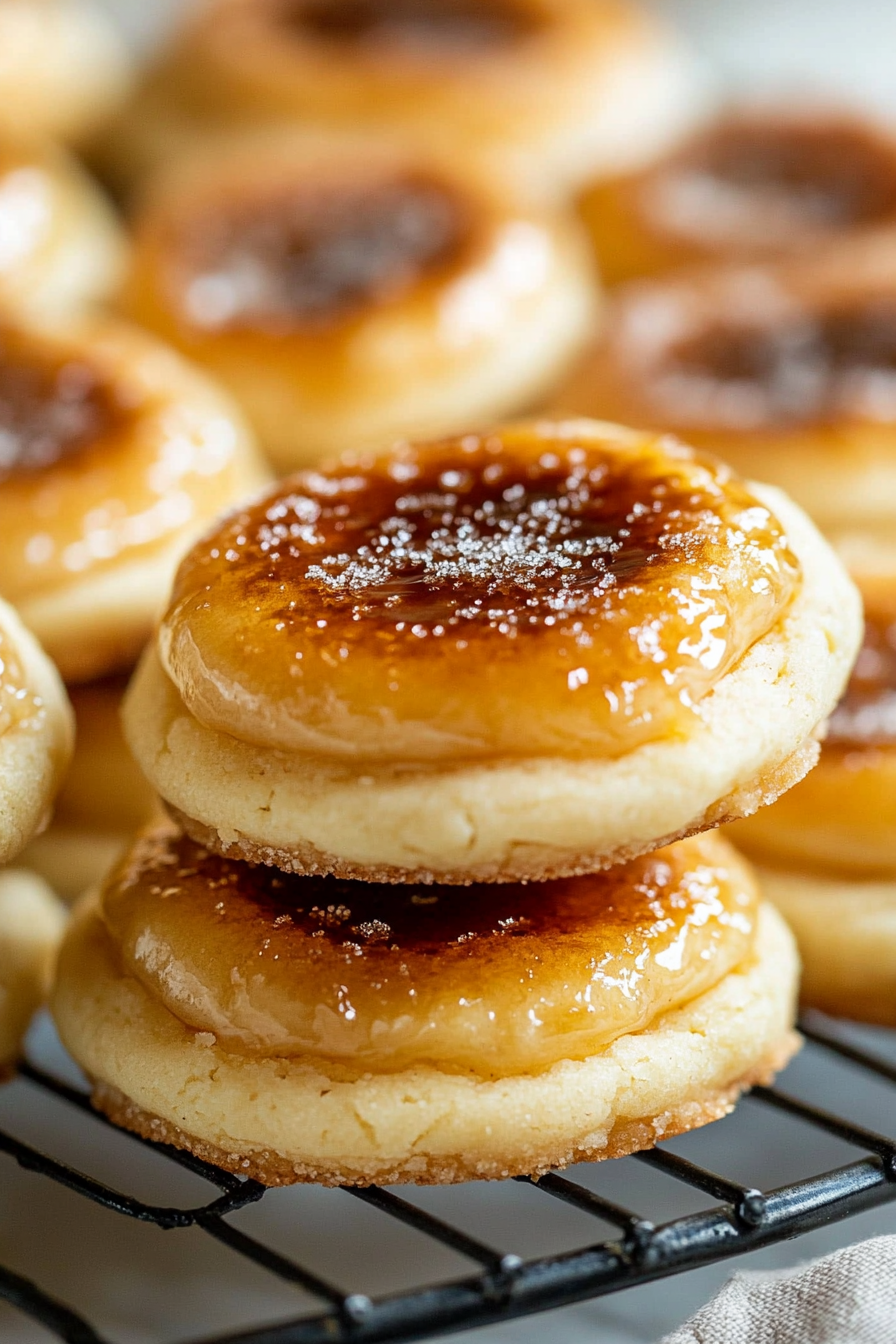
x=522, y=864
x=626, y=1137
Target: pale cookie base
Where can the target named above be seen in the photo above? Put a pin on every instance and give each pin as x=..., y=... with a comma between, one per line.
x=31, y=927
x=288, y=1120
x=516, y=819
x=846, y=931
x=34, y=753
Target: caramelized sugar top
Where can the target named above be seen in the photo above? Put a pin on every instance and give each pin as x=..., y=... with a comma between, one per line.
x=567, y=588
x=417, y=27
x=17, y=704
x=490, y=979
x=800, y=366
x=866, y=716
x=104, y=451
x=308, y=254
x=49, y=410
x=765, y=183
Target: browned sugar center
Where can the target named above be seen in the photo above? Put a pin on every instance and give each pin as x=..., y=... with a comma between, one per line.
x=49, y=410
x=417, y=25
x=473, y=541
x=807, y=367
x=815, y=176
x=306, y=256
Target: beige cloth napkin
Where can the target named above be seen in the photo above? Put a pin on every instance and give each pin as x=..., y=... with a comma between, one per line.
x=846, y=1298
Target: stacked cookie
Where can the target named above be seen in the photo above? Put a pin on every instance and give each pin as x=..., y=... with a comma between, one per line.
x=773, y=344
x=433, y=726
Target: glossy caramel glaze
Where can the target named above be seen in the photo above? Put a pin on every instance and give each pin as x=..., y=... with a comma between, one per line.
x=109, y=448
x=51, y=408
x=417, y=27
x=490, y=979
x=280, y=257
x=560, y=588
x=866, y=716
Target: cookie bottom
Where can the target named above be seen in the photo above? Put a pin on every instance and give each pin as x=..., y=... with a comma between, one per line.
x=846, y=932
x=522, y=862
x=287, y=1120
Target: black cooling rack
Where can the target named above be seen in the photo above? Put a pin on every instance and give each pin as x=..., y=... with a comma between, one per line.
x=503, y=1286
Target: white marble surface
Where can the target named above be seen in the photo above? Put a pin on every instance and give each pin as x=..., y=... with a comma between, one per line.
x=139, y=1284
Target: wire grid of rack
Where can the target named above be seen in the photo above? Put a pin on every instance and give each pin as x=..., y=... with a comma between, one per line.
x=504, y=1286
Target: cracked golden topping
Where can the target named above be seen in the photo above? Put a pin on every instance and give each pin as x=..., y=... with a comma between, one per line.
x=560, y=588
x=486, y=978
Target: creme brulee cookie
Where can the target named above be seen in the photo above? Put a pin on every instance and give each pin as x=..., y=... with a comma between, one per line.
x=61, y=248
x=103, y=801
x=549, y=91
x=828, y=849
x=518, y=655
x=31, y=926
x=761, y=183
x=785, y=371
x=35, y=734
x=349, y=292
x=63, y=67
x=306, y=1029
x=114, y=454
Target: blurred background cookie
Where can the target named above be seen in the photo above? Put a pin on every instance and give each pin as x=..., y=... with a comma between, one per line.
x=63, y=67
x=103, y=801
x=786, y=371
x=828, y=848
x=760, y=183
x=114, y=453
x=547, y=91
x=31, y=927
x=61, y=247
x=350, y=292
x=35, y=735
